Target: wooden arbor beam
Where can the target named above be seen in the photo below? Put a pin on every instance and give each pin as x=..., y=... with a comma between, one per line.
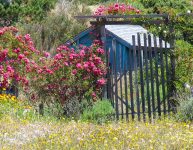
x=123, y=16
x=117, y=19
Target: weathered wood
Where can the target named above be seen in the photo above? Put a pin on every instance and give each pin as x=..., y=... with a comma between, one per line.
x=151, y=75
x=147, y=75
x=109, y=83
x=140, y=55
x=41, y=109
x=131, y=85
x=167, y=74
x=122, y=16
x=120, y=72
x=162, y=76
x=136, y=77
x=115, y=79
x=103, y=39
x=156, y=50
x=112, y=88
x=106, y=22
x=126, y=93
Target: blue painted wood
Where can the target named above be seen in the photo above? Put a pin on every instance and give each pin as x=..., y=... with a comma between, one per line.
x=122, y=34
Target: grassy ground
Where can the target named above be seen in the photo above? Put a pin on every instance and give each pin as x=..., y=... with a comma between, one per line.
x=20, y=128
x=23, y=134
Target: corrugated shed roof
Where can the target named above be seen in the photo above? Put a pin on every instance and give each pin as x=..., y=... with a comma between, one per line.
x=125, y=32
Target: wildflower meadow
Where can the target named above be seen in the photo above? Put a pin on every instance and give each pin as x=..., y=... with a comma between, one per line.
x=55, y=96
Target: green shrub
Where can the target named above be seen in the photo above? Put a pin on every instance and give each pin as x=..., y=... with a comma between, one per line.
x=14, y=11
x=93, y=2
x=101, y=112
x=184, y=63
x=185, y=110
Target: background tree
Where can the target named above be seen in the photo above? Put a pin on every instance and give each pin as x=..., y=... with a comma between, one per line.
x=58, y=27
x=12, y=11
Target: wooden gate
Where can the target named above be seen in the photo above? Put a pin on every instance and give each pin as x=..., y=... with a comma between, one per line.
x=141, y=86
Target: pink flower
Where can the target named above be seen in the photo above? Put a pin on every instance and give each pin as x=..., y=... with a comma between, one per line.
x=1, y=69
x=39, y=70
x=74, y=72
x=5, y=76
x=137, y=11
x=17, y=50
x=79, y=66
x=58, y=56
x=92, y=65
x=100, y=51
x=25, y=81
x=27, y=37
x=10, y=69
x=21, y=56
x=82, y=53
x=115, y=9
x=97, y=60
x=85, y=66
x=5, y=51
x=28, y=68
x=46, y=54
x=26, y=60
x=1, y=32
x=66, y=63
x=26, y=53
x=72, y=56
x=97, y=72
x=94, y=95
x=49, y=71
x=101, y=82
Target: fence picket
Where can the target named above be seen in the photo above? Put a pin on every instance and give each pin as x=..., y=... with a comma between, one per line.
x=156, y=50
x=120, y=72
x=126, y=93
x=167, y=75
x=151, y=75
x=131, y=85
x=147, y=75
x=140, y=52
x=162, y=76
x=136, y=77
x=115, y=79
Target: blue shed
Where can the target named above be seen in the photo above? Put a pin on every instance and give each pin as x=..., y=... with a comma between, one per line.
x=122, y=34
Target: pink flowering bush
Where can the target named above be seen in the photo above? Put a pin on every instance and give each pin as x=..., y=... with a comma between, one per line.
x=75, y=73
x=116, y=9
x=16, y=57
x=67, y=75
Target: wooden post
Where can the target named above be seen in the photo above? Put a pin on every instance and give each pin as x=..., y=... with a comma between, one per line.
x=171, y=84
x=41, y=109
x=173, y=63
x=114, y=44
x=103, y=39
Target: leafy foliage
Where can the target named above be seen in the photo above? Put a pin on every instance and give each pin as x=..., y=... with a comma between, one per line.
x=24, y=11
x=101, y=112
x=185, y=110
x=93, y=2
x=68, y=75
x=184, y=58
x=159, y=5
x=183, y=24
x=58, y=27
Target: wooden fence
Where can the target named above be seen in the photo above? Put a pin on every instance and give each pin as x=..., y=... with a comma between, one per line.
x=140, y=87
